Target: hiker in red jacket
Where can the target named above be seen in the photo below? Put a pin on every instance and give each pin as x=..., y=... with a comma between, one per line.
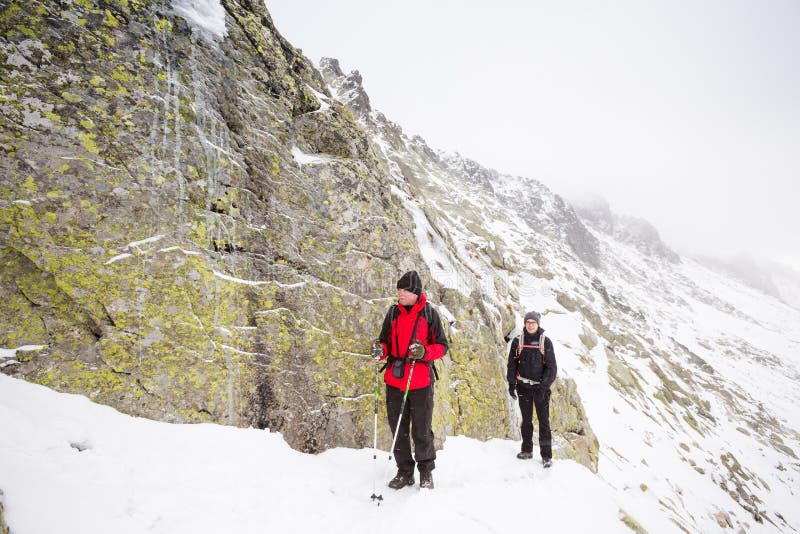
x=530, y=373
x=412, y=331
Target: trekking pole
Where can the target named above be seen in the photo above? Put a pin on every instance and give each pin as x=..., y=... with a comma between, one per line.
x=397, y=429
x=374, y=496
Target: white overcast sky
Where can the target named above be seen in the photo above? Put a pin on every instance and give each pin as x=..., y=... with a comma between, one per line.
x=685, y=113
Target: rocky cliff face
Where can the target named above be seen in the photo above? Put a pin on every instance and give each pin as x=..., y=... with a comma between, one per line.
x=194, y=230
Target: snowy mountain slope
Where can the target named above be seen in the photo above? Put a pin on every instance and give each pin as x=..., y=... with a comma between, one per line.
x=713, y=392
x=688, y=377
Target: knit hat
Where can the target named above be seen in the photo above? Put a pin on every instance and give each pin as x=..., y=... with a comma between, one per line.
x=536, y=316
x=410, y=282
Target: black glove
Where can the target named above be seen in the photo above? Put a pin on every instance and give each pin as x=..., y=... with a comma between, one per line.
x=512, y=390
x=416, y=351
x=377, y=350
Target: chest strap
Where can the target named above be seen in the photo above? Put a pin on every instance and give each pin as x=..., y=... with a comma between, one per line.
x=391, y=358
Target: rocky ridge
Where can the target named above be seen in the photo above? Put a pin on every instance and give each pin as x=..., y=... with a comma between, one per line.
x=630, y=319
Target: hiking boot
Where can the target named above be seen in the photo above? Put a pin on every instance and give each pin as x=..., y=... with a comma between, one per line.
x=547, y=462
x=425, y=480
x=401, y=480
x=525, y=455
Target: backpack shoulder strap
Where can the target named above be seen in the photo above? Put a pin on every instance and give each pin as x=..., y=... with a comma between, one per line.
x=541, y=345
x=427, y=311
x=393, y=312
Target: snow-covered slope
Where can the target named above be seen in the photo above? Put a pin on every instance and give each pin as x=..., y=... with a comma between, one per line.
x=72, y=466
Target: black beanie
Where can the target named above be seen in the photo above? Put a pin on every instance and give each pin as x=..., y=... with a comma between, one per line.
x=410, y=282
x=535, y=316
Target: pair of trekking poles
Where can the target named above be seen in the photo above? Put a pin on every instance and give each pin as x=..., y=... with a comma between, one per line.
x=375, y=496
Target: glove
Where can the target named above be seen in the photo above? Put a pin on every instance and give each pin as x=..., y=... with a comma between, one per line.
x=416, y=351
x=512, y=390
x=377, y=350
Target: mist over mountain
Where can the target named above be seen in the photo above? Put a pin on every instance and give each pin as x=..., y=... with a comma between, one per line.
x=772, y=278
x=199, y=225
x=779, y=281
x=595, y=211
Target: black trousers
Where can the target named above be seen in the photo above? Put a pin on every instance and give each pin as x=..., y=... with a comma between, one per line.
x=418, y=411
x=528, y=399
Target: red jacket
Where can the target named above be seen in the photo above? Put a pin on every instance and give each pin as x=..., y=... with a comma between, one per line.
x=396, y=336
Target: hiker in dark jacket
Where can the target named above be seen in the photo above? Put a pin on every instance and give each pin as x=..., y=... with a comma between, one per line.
x=531, y=372
x=412, y=331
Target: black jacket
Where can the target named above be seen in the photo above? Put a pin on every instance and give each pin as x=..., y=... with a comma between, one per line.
x=530, y=364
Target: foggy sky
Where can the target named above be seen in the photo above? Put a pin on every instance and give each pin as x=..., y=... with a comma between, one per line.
x=684, y=113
